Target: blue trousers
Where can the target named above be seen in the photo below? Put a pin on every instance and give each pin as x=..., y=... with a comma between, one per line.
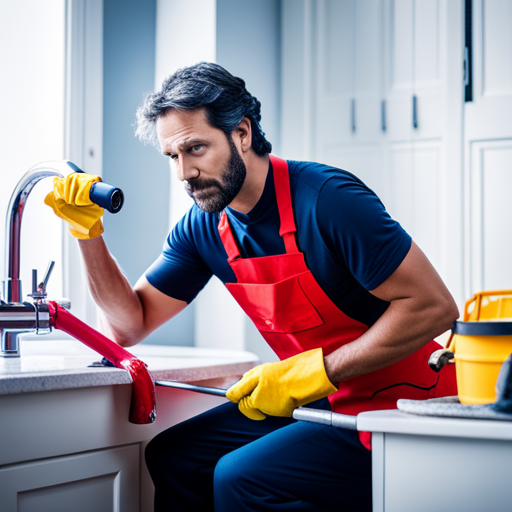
x=222, y=461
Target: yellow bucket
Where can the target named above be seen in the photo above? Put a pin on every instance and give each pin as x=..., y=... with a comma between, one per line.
x=481, y=343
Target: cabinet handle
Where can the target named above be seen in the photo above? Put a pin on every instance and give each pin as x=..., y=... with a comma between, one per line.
x=415, y=112
x=353, y=114
x=383, y=115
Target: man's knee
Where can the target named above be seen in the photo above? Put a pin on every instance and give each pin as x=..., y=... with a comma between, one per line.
x=237, y=475
x=229, y=473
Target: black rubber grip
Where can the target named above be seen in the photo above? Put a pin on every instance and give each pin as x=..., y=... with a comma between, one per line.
x=108, y=197
x=104, y=195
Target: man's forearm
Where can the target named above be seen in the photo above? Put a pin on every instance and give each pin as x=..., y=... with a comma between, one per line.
x=420, y=308
x=400, y=331
x=112, y=292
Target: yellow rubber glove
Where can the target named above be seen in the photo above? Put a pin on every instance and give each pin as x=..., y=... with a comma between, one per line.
x=70, y=201
x=279, y=388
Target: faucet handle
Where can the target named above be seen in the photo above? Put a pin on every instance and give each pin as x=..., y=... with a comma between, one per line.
x=47, y=275
x=39, y=290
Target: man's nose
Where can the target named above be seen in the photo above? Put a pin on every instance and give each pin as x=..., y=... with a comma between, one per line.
x=186, y=171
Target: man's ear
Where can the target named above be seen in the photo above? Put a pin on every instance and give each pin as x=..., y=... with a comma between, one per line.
x=243, y=132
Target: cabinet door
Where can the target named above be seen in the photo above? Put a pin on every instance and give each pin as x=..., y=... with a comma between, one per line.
x=416, y=135
x=488, y=149
x=391, y=50
x=349, y=87
x=101, y=481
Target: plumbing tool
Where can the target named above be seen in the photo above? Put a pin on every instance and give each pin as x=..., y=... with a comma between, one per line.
x=104, y=195
x=333, y=419
x=17, y=316
x=143, y=400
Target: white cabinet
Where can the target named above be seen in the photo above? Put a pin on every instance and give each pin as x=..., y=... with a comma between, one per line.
x=426, y=463
x=99, y=481
x=441, y=166
x=488, y=149
x=74, y=449
x=348, y=71
x=66, y=443
x=381, y=77
x=424, y=97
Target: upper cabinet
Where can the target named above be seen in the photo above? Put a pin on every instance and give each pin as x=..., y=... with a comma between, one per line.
x=348, y=85
x=417, y=141
x=382, y=98
x=488, y=148
x=379, y=88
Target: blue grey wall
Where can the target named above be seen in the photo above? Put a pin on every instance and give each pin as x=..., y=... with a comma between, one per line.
x=249, y=46
x=135, y=235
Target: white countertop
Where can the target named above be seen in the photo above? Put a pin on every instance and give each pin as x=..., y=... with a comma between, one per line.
x=398, y=422
x=47, y=364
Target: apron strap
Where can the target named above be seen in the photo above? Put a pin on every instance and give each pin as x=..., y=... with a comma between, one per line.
x=284, y=203
x=228, y=240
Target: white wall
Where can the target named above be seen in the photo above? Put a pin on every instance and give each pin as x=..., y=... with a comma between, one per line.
x=185, y=34
x=32, y=44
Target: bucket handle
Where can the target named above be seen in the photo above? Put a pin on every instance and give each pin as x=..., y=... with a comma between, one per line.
x=477, y=299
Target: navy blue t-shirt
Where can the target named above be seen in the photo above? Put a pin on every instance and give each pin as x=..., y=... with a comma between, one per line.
x=351, y=244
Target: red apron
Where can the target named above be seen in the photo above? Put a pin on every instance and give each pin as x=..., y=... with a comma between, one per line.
x=294, y=314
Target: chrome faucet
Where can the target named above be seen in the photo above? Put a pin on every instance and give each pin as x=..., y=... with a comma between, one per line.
x=16, y=316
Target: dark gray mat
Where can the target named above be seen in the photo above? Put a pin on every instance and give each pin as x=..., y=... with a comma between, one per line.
x=450, y=406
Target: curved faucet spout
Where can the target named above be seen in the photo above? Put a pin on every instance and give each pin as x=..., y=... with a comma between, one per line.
x=12, y=283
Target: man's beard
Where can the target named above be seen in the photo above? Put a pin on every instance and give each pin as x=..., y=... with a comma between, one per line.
x=219, y=194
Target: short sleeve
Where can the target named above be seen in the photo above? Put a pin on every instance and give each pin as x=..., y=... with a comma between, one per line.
x=179, y=271
x=359, y=231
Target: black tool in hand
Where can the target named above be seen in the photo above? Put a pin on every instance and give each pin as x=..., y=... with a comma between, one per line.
x=104, y=195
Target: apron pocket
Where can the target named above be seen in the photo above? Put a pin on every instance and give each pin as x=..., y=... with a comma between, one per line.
x=281, y=307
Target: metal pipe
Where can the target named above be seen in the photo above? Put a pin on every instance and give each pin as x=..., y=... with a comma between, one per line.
x=12, y=283
x=333, y=419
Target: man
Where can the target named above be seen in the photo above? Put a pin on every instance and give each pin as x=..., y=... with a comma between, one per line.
x=341, y=293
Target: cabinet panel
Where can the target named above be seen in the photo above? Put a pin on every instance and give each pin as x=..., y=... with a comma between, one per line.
x=401, y=49
x=414, y=465
x=426, y=168
x=488, y=144
x=366, y=28
x=415, y=57
x=401, y=58
x=336, y=40
x=400, y=203
x=103, y=481
x=426, y=42
x=363, y=161
x=348, y=55
x=98, y=494
x=489, y=115
x=491, y=209
x=497, y=72
x=415, y=191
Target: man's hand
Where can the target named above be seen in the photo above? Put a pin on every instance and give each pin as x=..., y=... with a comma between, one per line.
x=70, y=201
x=279, y=388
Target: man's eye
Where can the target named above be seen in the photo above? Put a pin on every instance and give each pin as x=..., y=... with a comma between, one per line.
x=173, y=157
x=197, y=147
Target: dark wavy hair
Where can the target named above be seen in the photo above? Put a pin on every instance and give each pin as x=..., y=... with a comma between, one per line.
x=209, y=86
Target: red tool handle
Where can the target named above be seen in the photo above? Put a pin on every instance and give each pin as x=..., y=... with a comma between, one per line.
x=143, y=403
